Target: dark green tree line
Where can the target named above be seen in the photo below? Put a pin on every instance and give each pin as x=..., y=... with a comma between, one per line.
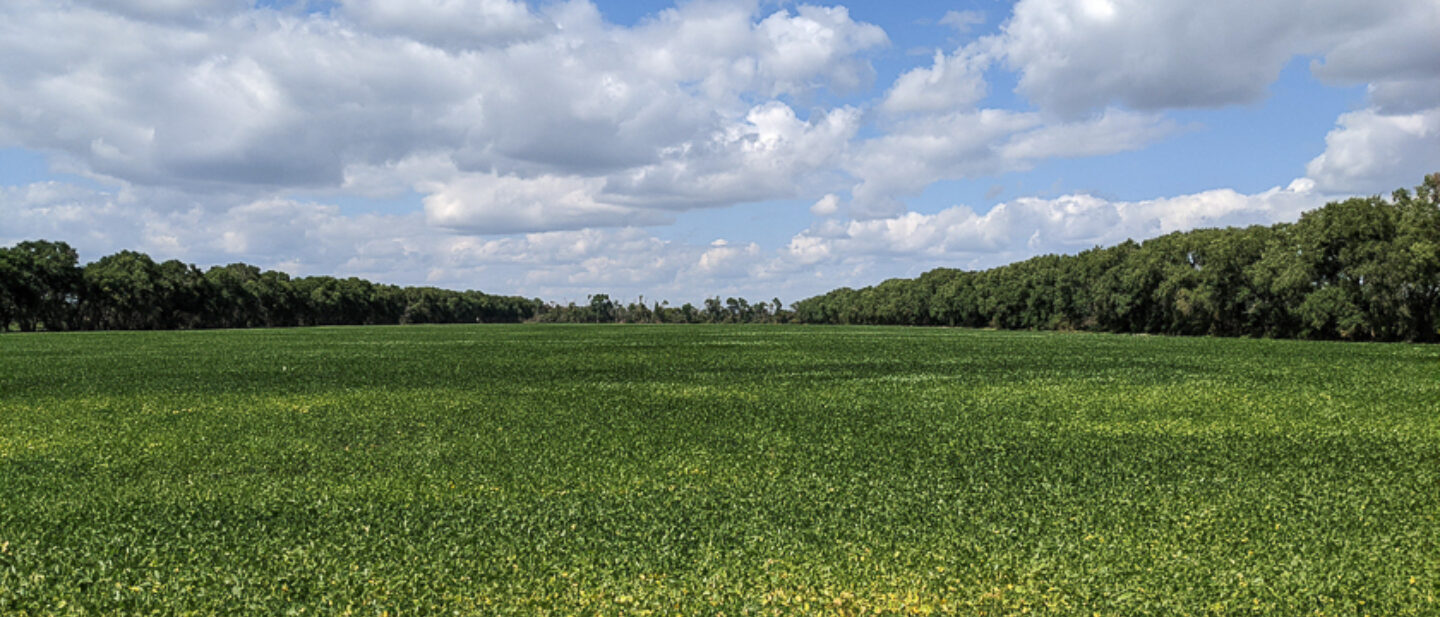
x=1359, y=269
x=601, y=309
x=42, y=286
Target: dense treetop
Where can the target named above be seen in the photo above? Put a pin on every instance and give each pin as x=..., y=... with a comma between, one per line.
x=1359, y=269
x=42, y=286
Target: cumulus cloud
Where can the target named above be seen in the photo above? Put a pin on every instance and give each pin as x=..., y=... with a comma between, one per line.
x=953, y=81
x=771, y=154
x=493, y=204
x=168, y=10
x=1371, y=152
x=453, y=24
x=1029, y=226
x=1404, y=96
x=1078, y=55
x=922, y=150
x=1113, y=131
x=1079, y=58
x=300, y=237
x=722, y=260
x=826, y=206
x=261, y=102
x=817, y=41
x=538, y=139
x=1397, y=44
x=575, y=263
x=254, y=103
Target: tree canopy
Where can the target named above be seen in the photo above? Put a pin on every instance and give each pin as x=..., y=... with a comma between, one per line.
x=42, y=286
x=1359, y=269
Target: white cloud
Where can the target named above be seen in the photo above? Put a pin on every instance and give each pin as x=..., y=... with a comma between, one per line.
x=771, y=154
x=257, y=102
x=1029, y=226
x=826, y=206
x=260, y=102
x=962, y=21
x=1113, y=131
x=1396, y=45
x=1372, y=152
x=453, y=24
x=817, y=42
x=1078, y=55
x=920, y=151
x=537, y=139
x=494, y=204
x=952, y=82
x=168, y=10
x=724, y=261
x=303, y=237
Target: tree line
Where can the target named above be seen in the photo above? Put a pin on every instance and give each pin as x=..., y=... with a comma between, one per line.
x=1358, y=269
x=43, y=287
x=602, y=309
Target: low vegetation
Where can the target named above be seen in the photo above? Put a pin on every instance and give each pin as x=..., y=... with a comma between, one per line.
x=697, y=470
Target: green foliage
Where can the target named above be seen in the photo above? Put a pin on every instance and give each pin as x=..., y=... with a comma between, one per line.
x=1360, y=269
x=42, y=286
x=602, y=309
x=558, y=470
x=39, y=283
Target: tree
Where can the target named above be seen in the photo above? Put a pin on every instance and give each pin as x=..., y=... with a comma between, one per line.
x=42, y=284
x=714, y=311
x=602, y=309
x=122, y=292
x=9, y=284
x=1363, y=268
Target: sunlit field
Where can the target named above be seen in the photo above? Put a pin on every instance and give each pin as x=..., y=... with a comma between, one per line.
x=705, y=469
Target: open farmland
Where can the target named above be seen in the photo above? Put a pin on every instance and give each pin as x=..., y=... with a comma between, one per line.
x=674, y=469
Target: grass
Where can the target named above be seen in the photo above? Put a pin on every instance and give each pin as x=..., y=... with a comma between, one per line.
x=698, y=470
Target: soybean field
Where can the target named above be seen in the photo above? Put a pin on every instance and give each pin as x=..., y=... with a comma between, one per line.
x=701, y=470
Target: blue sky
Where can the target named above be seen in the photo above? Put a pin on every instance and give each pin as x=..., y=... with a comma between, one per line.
x=678, y=151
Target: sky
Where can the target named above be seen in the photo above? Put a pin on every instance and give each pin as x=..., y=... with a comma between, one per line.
x=683, y=150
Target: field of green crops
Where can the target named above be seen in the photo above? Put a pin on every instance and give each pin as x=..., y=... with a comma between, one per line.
x=698, y=470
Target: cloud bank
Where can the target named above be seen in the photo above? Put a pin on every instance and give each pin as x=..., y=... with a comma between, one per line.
x=548, y=149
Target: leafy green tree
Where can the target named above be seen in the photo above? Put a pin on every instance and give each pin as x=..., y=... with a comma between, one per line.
x=9, y=288
x=123, y=292
x=1414, y=260
x=42, y=284
x=602, y=308
x=1363, y=269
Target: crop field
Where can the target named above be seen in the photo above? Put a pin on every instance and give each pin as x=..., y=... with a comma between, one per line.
x=666, y=470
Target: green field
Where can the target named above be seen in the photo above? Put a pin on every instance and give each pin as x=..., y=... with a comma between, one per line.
x=698, y=470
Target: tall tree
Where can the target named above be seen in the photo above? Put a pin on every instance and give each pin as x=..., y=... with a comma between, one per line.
x=123, y=292
x=43, y=284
